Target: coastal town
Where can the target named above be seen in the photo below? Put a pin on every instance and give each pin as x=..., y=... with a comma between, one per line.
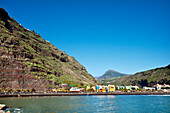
x=112, y=88
x=104, y=89
x=70, y=90
x=84, y=56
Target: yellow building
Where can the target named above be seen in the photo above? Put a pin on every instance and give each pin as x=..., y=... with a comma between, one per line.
x=62, y=90
x=101, y=89
x=111, y=88
x=87, y=88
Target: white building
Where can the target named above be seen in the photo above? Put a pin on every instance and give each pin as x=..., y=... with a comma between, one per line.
x=75, y=89
x=159, y=87
x=149, y=88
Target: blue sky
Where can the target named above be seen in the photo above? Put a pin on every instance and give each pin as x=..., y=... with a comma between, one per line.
x=128, y=36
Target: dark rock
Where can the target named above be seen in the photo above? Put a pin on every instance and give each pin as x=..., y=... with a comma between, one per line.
x=3, y=107
x=5, y=17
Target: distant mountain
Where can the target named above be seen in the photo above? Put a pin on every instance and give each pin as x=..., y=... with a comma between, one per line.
x=28, y=61
x=110, y=74
x=146, y=78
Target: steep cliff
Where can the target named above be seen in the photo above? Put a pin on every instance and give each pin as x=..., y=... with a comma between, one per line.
x=147, y=78
x=28, y=61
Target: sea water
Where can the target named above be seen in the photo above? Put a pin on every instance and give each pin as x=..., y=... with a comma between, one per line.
x=91, y=104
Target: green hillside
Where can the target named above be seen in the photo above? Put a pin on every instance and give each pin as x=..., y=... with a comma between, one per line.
x=110, y=74
x=146, y=78
x=29, y=61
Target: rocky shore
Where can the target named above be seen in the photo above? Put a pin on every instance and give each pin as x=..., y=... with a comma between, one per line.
x=2, y=108
x=82, y=94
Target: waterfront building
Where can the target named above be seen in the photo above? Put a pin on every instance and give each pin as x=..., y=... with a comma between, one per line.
x=101, y=88
x=62, y=90
x=94, y=88
x=87, y=88
x=160, y=87
x=149, y=88
x=131, y=87
x=111, y=88
x=97, y=88
x=120, y=87
x=127, y=87
x=75, y=89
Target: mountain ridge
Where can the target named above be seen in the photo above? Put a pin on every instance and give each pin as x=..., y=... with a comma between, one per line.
x=28, y=61
x=150, y=77
x=110, y=74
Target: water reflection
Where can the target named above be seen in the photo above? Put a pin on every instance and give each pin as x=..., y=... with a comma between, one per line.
x=90, y=104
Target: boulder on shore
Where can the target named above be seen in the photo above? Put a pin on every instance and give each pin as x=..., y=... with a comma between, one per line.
x=3, y=106
x=1, y=111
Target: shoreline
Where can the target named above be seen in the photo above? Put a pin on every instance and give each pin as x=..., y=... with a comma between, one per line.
x=81, y=94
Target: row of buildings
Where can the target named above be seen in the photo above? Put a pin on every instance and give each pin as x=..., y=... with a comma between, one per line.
x=96, y=88
x=108, y=88
x=100, y=88
x=112, y=88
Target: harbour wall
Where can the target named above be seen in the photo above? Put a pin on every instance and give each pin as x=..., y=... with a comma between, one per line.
x=81, y=94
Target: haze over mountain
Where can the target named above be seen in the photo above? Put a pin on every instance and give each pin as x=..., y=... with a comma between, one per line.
x=28, y=61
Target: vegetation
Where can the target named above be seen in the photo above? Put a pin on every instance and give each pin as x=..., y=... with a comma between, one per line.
x=146, y=78
x=110, y=74
x=106, y=81
x=37, y=57
x=17, y=90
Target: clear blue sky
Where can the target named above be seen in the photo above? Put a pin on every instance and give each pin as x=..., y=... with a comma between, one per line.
x=128, y=36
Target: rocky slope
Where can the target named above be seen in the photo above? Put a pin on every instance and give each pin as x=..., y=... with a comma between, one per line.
x=28, y=61
x=146, y=78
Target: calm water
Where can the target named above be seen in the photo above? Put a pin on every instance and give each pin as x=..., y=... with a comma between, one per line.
x=91, y=104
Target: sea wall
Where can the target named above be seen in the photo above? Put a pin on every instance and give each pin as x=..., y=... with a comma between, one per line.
x=81, y=94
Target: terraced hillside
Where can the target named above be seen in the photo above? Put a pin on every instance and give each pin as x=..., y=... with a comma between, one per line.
x=28, y=61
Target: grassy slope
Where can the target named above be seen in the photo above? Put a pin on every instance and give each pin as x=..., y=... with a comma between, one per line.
x=42, y=59
x=147, y=78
